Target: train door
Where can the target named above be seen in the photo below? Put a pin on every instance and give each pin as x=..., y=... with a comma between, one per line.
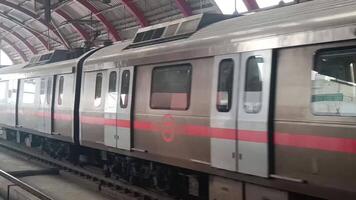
x=63, y=107
x=110, y=138
x=28, y=104
x=224, y=105
x=124, y=108
x=253, y=110
x=46, y=84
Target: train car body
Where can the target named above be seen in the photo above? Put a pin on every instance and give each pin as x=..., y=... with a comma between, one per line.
x=41, y=97
x=9, y=88
x=262, y=121
x=265, y=99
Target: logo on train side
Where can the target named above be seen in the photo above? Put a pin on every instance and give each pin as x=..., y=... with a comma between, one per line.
x=168, y=127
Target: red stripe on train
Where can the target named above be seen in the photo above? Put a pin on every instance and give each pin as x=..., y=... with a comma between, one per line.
x=334, y=144
x=59, y=116
x=105, y=121
x=63, y=117
x=344, y=145
x=229, y=134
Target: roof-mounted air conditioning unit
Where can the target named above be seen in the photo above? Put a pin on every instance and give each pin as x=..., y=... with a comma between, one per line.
x=174, y=30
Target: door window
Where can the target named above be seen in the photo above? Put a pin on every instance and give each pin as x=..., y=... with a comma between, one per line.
x=49, y=90
x=125, y=88
x=60, y=90
x=29, y=91
x=112, y=82
x=253, y=84
x=98, y=87
x=225, y=85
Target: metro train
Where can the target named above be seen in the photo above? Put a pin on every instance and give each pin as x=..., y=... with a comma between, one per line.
x=253, y=107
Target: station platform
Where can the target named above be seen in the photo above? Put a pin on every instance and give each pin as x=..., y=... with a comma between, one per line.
x=54, y=183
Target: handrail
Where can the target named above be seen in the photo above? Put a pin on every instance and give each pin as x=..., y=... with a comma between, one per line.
x=24, y=186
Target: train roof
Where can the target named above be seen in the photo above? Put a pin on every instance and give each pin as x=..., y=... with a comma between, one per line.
x=308, y=16
x=312, y=22
x=25, y=70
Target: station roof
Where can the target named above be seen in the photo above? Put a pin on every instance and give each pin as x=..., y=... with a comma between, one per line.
x=25, y=32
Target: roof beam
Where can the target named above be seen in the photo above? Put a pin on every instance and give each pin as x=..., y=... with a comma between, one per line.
x=17, y=49
x=18, y=36
x=109, y=26
x=35, y=17
x=136, y=12
x=79, y=29
x=251, y=4
x=34, y=33
x=184, y=7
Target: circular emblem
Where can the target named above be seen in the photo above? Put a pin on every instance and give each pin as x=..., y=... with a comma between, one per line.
x=167, y=128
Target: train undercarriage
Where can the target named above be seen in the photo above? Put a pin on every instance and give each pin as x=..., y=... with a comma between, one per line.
x=176, y=182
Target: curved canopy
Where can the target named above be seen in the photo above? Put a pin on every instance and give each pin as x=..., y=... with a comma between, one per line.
x=25, y=31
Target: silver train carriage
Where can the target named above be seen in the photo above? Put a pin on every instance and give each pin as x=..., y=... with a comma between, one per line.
x=271, y=94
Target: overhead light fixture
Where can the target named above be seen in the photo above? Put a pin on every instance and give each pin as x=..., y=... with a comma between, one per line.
x=229, y=7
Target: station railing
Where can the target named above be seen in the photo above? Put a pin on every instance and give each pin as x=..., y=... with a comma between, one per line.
x=26, y=187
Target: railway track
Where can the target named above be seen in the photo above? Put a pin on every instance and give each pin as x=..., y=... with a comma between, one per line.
x=117, y=188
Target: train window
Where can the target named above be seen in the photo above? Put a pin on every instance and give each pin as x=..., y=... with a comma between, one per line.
x=3, y=89
x=253, y=84
x=225, y=84
x=49, y=90
x=98, y=86
x=334, y=83
x=125, y=88
x=12, y=91
x=112, y=82
x=43, y=86
x=42, y=90
x=29, y=91
x=171, y=87
x=60, y=90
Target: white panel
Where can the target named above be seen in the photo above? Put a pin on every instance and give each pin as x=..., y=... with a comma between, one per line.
x=110, y=135
x=48, y=105
x=110, y=138
x=223, y=151
x=253, y=158
x=124, y=114
x=44, y=106
x=253, y=119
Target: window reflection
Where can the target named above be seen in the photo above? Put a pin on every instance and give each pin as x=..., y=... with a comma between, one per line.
x=29, y=91
x=125, y=88
x=225, y=85
x=98, y=87
x=253, y=84
x=60, y=90
x=334, y=84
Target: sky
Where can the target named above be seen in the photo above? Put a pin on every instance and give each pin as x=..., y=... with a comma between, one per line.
x=4, y=59
x=228, y=6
